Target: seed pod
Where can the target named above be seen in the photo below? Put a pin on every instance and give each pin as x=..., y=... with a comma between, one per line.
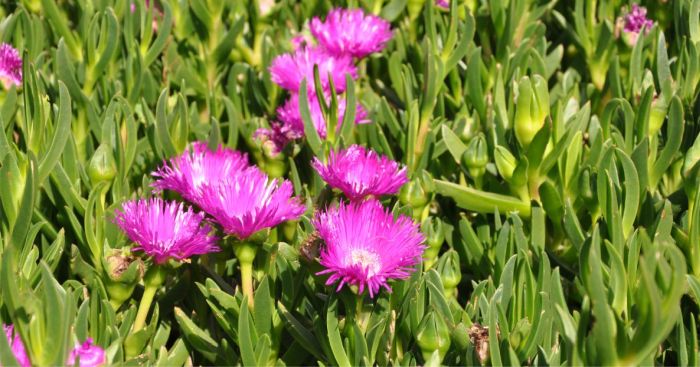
x=124, y=271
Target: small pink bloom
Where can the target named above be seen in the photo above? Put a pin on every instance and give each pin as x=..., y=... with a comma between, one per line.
x=635, y=21
x=188, y=172
x=10, y=66
x=351, y=32
x=359, y=172
x=164, y=230
x=289, y=70
x=443, y=3
x=366, y=246
x=87, y=354
x=16, y=346
x=249, y=201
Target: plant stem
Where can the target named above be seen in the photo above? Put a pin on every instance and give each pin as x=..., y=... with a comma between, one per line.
x=152, y=281
x=148, y=294
x=245, y=253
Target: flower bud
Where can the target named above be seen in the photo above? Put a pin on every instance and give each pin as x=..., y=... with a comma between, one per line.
x=102, y=166
x=274, y=167
x=520, y=333
x=416, y=193
x=450, y=272
x=432, y=335
x=476, y=157
x=505, y=162
x=531, y=109
x=467, y=127
x=460, y=335
x=657, y=115
x=587, y=189
x=434, y=233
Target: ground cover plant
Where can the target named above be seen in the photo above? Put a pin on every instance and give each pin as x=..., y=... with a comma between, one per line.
x=373, y=182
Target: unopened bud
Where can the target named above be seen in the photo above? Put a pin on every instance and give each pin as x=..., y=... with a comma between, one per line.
x=432, y=335
x=102, y=166
x=467, y=127
x=434, y=233
x=657, y=115
x=450, y=273
x=531, y=109
x=505, y=162
x=476, y=157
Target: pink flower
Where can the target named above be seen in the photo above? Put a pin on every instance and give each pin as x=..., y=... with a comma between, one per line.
x=351, y=32
x=248, y=202
x=87, y=354
x=289, y=70
x=188, y=172
x=366, y=246
x=16, y=346
x=637, y=19
x=10, y=66
x=359, y=172
x=165, y=230
x=443, y=3
x=290, y=116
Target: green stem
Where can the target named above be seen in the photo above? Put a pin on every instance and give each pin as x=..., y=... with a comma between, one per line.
x=245, y=253
x=152, y=281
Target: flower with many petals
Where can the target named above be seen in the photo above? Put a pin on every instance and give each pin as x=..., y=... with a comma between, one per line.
x=188, y=172
x=165, y=230
x=289, y=70
x=87, y=354
x=10, y=66
x=366, y=246
x=249, y=201
x=351, y=32
x=16, y=346
x=359, y=172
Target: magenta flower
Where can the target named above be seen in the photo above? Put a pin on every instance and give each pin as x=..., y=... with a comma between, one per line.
x=10, y=66
x=16, y=346
x=248, y=202
x=165, y=230
x=290, y=116
x=443, y=3
x=359, y=172
x=198, y=165
x=351, y=32
x=289, y=70
x=635, y=21
x=87, y=354
x=366, y=246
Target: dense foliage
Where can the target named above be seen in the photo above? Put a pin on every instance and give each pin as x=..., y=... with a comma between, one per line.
x=547, y=150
